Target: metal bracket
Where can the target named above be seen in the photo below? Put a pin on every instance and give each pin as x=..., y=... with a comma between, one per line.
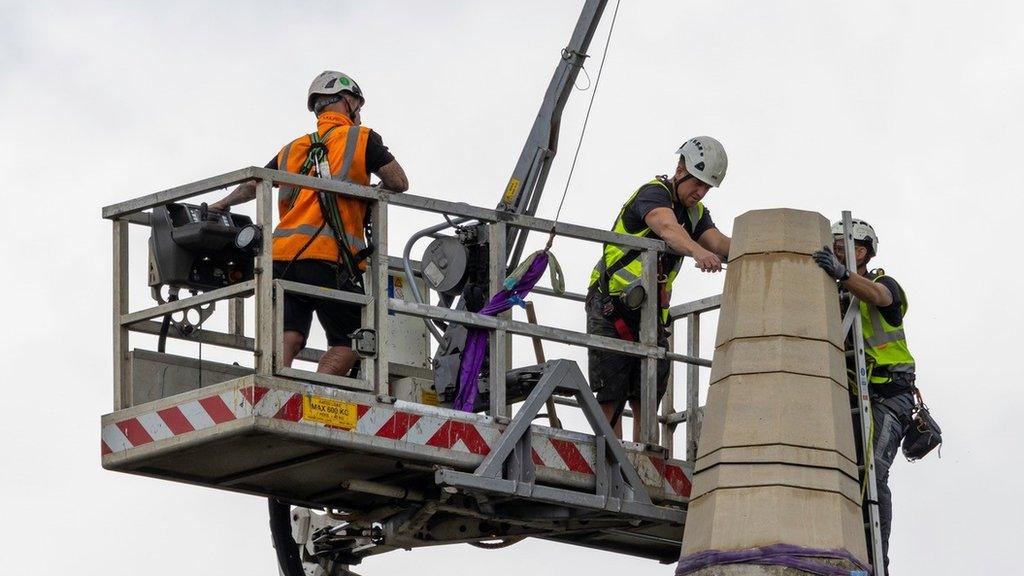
x=364, y=342
x=509, y=468
x=185, y=327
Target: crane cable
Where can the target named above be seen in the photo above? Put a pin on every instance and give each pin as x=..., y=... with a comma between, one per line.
x=586, y=118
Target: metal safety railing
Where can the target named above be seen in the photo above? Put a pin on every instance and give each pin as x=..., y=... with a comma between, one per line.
x=376, y=304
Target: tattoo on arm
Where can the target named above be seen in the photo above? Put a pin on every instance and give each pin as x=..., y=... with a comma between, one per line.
x=393, y=177
x=245, y=192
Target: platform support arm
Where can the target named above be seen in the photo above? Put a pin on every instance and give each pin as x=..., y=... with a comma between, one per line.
x=122, y=386
x=649, y=326
x=379, y=272
x=266, y=347
x=564, y=376
x=692, y=386
x=499, y=337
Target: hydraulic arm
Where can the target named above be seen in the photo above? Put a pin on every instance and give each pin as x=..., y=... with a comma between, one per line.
x=457, y=267
x=525, y=186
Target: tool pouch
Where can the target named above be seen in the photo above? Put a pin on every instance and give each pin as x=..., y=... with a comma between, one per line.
x=923, y=435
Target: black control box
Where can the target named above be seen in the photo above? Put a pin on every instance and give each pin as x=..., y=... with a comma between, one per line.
x=193, y=247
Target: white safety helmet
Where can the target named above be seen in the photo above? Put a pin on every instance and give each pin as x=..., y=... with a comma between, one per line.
x=705, y=158
x=329, y=83
x=862, y=232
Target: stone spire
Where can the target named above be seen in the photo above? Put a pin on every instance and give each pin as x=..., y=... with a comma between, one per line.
x=776, y=468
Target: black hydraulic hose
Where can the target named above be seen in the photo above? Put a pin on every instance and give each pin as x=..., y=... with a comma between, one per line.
x=285, y=547
x=165, y=326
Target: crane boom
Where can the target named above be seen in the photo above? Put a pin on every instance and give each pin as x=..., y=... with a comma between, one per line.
x=525, y=186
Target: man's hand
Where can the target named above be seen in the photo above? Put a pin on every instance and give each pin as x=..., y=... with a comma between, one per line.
x=707, y=261
x=831, y=264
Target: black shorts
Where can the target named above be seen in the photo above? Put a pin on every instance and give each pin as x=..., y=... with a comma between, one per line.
x=339, y=319
x=614, y=377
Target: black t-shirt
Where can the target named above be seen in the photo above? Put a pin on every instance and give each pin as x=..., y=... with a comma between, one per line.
x=653, y=196
x=893, y=313
x=649, y=197
x=377, y=154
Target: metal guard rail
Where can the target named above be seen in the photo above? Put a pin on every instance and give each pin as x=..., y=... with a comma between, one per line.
x=267, y=342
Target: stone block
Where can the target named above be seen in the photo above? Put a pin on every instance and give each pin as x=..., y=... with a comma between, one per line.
x=742, y=518
x=726, y=476
x=777, y=408
x=779, y=295
x=779, y=354
x=778, y=453
x=779, y=230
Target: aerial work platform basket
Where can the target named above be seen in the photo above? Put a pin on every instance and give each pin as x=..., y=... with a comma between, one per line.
x=388, y=467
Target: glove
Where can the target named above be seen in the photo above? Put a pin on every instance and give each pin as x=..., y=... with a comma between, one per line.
x=830, y=264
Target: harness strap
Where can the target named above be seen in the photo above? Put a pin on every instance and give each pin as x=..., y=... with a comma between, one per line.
x=328, y=202
x=632, y=255
x=610, y=271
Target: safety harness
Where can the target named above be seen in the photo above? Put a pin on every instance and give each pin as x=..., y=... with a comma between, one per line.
x=317, y=164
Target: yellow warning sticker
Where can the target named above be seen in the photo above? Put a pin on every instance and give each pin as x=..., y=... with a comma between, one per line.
x=336, y=413
x=429, y=397
x=510, y=190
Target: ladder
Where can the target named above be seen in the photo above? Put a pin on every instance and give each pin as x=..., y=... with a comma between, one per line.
x=862, y=414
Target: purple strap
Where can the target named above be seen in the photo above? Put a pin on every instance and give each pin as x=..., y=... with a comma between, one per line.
x=476, y=340
x=787, y=555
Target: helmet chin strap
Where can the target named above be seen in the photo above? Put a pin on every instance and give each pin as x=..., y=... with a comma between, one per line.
x=675, y=187
x=351, y=113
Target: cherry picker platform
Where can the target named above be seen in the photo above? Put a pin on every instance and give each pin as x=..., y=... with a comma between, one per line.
x=391, y=467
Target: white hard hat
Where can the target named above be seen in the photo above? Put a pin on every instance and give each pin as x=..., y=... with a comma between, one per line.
x=329, y=83
x=862, y=232
x=705, y=158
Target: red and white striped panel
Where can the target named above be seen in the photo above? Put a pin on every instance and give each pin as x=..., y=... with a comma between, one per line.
x=379, y=420
x=655, y=471
x=176, y=420
x=563, y=454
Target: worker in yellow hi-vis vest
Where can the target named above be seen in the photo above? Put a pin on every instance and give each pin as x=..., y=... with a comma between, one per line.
x=320, y=238
x=883, y=305
x=668, y=209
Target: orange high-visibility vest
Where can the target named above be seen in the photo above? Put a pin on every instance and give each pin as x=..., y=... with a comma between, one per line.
x=300, y=210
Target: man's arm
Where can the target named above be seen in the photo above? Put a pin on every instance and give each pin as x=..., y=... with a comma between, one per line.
x=662, y=221
x=715, y=241
x=392, y=177
x=874, y=293
x=245, y=192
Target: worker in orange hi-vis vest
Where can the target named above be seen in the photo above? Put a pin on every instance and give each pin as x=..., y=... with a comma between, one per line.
x=326, y=251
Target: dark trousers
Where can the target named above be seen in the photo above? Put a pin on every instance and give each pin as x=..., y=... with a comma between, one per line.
x=891, y=417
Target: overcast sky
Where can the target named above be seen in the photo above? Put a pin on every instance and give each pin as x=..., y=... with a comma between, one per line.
x=908, y=113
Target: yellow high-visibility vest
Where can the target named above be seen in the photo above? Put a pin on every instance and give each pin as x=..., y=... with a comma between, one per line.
x=628, y=275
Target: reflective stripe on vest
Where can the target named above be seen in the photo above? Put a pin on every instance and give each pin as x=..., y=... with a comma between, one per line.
x=288, y=194
x=884, y=343
x=300, y=215
x=309, y=230
x=630, y=275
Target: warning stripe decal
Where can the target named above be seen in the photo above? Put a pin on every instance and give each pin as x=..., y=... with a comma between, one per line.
x=380, y=420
